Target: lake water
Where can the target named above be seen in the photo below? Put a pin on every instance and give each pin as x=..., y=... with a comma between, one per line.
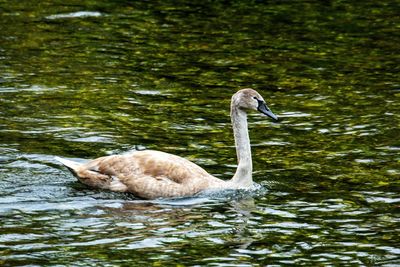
x=85, y=79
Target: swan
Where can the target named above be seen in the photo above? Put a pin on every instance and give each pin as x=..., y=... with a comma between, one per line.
x=151, y=174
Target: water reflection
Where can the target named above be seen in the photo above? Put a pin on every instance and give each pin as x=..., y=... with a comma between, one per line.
x=92, y=79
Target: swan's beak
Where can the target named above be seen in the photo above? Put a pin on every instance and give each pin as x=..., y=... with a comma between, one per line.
x=263, y=108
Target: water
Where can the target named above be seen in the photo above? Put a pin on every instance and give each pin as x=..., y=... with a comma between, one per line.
x=87, y=79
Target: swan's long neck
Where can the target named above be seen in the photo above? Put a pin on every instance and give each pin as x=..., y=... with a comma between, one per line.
x=243, y=174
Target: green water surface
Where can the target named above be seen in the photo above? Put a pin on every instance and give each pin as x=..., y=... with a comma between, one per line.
x=83, y=79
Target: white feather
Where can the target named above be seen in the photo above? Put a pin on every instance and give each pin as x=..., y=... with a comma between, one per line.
x=72, y=165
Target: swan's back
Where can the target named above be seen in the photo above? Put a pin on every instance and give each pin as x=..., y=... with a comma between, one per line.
x=147, y=174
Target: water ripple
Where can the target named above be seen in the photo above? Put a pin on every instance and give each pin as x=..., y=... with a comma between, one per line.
x=78, y=14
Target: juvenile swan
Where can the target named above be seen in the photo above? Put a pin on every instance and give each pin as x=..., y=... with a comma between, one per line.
x=153, y=174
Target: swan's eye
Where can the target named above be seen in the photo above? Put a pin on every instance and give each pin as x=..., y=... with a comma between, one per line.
x=258, y=100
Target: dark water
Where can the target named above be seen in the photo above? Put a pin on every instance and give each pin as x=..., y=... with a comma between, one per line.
x=88, y=78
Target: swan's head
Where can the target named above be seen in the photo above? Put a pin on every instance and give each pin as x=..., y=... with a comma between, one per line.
x=250, y=99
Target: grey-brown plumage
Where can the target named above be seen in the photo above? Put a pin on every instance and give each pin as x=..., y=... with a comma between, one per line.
x=153, y=174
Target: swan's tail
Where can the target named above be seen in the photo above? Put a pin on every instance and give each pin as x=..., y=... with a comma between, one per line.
x=71, y=165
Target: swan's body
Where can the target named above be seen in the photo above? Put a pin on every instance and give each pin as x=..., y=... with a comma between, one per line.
x=153, y=174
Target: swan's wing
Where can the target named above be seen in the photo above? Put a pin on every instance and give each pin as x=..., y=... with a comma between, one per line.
x=147, y=174
x=150, y=187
